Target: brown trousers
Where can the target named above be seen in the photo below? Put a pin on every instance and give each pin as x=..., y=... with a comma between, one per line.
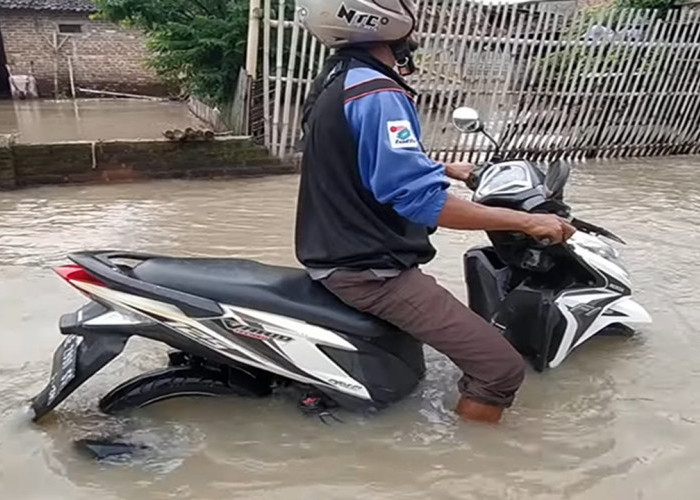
x=415, y=303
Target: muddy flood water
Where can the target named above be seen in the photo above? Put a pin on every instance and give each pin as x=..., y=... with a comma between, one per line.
x=620, y=419
x=41, y=121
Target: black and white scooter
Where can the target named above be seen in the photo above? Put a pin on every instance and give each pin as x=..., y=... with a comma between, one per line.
x=547, y=300
x=239, y=327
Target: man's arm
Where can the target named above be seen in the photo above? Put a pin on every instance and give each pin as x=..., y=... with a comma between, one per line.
x=396, y=170
x=461, y=214
x=391, y=163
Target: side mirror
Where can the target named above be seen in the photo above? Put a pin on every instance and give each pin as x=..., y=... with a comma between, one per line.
x=466, y=120
x=555, y=180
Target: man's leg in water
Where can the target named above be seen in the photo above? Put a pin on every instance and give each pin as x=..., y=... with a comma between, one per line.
x=417, y=304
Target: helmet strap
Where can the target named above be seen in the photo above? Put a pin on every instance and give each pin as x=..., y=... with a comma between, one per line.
x=403, y=53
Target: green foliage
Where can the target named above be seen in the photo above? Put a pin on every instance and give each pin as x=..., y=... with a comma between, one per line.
x=199, y=45
x=663, y=5
x=623, y=20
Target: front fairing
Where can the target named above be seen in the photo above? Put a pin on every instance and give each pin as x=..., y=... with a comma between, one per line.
x=603, y=258
x=518, y=185
x=507, y=178
x=548, y=300
x=515, y=184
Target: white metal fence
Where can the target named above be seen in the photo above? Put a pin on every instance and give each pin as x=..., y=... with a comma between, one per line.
x=548, y=83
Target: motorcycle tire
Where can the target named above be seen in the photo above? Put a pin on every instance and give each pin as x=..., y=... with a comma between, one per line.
x=173, y=382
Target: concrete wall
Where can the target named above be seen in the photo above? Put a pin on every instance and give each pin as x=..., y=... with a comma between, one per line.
x=23, y=165
x=104, y=56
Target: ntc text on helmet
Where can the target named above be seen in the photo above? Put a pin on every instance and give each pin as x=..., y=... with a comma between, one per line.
x=361, y=19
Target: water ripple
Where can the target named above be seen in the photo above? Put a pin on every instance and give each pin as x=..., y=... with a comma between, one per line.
x=619, y=411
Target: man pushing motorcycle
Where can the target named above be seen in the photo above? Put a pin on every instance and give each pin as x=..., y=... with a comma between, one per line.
x=370, y=197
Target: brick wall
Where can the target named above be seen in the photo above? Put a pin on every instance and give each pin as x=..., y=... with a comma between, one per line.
x=105, y=56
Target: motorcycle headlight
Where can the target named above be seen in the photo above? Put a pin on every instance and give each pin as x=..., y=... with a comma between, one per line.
x=608, y=252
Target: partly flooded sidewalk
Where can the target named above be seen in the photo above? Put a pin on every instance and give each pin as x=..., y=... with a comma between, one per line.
x=41, y=121
x=107, y=140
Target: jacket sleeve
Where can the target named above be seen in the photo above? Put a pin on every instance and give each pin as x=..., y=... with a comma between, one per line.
x=392, y=163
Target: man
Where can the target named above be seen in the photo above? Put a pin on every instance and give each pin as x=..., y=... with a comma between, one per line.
x=369, y=198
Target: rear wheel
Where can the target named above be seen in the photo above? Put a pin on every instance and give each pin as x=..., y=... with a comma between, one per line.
x=181, y=381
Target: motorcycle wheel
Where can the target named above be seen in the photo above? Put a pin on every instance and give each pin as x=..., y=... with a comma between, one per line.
x=181, y=381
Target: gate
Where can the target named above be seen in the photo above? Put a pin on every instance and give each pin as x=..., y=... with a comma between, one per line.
x=548, y=81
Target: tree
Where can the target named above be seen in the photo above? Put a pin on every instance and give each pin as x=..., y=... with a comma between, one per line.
x=663, y=5
x=196, y=44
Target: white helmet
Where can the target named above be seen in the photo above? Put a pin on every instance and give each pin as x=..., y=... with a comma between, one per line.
x=339, y=23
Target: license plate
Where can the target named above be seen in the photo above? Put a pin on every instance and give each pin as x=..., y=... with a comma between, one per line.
x=65, y=360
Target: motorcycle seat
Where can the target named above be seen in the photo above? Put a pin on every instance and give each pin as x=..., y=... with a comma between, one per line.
x=280, y=290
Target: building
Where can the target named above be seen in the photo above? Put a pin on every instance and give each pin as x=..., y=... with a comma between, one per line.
x=52, y=39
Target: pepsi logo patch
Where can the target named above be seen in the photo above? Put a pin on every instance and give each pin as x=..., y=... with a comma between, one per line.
x=401, y=135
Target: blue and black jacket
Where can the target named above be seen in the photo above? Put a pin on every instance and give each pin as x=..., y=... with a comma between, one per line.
x=369, y=195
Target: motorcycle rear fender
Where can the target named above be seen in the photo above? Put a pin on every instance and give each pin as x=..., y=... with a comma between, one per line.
x=94, y=353
x=104, y=334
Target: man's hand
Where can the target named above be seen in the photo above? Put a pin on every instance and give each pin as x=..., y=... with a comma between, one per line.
x=459, y=171
x=548, y=227
x=462, y=214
